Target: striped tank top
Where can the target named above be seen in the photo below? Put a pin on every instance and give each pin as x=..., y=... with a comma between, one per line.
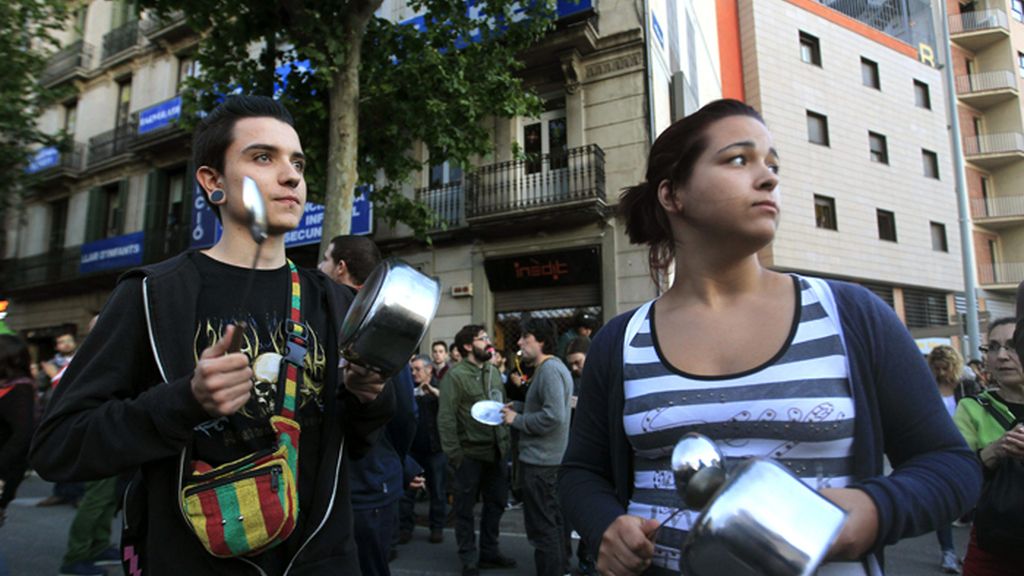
x=795, y=408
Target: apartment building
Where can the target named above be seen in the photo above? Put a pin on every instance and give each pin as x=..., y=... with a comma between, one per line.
x=860, y=124
x=531, y=230
x=987, y=45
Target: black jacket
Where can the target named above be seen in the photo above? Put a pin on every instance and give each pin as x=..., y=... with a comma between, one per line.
x=126, y=402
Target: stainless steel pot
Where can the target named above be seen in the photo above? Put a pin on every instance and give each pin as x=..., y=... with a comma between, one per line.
x=389, y=317
x=763, y=521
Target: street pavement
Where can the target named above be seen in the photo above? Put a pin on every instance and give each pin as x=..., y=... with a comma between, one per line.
x=33, y=541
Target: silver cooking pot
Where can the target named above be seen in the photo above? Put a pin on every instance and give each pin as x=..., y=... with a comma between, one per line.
x=759, y=520
x=389, y=317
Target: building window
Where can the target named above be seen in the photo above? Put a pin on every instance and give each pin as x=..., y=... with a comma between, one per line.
x=124, y=102
x=817, y=128
x=922, y=96
x=886, y=225
x=931, y=163
x=879, y=148
x=188, y=67
x=925, y=308
x=58, y=223
x=939, y=237
x=114, y=211
x=810, y=49
x=869, y=74
x=70, y=117
x=825, y=212
x=1017, y=8
x=1020, y=63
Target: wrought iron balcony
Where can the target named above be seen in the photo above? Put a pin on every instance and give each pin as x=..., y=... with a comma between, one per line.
x=169, y=27
x=984, y=89
x=448, y=202
x=119, y=41
x=540, y=184
x=994, y=150
x=73, y=62
x=978, y=29
x=50, y=163
x=41, y=271
x=111, y=144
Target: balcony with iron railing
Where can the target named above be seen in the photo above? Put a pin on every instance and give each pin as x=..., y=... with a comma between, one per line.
x=158, y=125
x=991, y=151
x=979, y=29
x=51, y=164
x=119, y=43
x=998, y=211
x=566, y=186
x=110, y=146
x=1001, y=276
x=71, y=63
x=986, y=89
x=448, y=202
x=167, y=27
x=41, y=271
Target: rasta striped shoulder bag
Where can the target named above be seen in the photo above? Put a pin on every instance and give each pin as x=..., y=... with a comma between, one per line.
x=249, y=505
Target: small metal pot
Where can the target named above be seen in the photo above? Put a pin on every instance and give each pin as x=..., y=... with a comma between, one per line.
x=763, y=521
x=389, y=317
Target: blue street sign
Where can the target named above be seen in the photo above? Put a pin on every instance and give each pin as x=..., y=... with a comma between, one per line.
x=362, y=212
x=310, y=228
x=44, y=158
x=160, y=115
x=205, y=226
x=111, y=253
x=206, y=229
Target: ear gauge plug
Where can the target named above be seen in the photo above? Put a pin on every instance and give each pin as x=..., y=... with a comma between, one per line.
x=217, y=196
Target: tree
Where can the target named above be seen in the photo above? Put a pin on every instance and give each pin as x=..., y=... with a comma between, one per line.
x=375, y=87
x=26, y=42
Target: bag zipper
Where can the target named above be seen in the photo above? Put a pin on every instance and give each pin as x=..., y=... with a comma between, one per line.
x=234, y=466
x=274, y=471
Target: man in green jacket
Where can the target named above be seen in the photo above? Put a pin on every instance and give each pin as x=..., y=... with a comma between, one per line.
x=477, y=451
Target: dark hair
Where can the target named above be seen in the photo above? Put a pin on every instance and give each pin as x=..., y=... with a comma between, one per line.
x=584, y=319
x=452, y=347
x=360, y=254
x=542, y=330
x=465, y=337
x=215, y=132
x=578, y=345
x=999, y=322
x=672, y=158
x=14, y=358
x=438, y=343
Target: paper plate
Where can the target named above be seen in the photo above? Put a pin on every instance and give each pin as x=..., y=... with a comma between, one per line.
x=487, y=412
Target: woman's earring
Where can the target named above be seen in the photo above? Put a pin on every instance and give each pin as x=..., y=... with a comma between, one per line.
x=217, y=196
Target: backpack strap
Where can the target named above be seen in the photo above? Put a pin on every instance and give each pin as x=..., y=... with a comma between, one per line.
x=994, y=412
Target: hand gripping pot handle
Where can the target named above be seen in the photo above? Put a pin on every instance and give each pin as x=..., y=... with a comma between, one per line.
x=389, y=317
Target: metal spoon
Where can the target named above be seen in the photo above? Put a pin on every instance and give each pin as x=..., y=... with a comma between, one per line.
x=256, y=211
x=698, y=467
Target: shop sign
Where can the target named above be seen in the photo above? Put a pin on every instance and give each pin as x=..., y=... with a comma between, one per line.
x=548, y=270
x=112, y=253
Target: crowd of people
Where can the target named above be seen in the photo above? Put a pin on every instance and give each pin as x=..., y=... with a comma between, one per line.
x=244, y=442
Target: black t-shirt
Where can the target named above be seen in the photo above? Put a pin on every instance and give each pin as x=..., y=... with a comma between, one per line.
x=268, y=305
x=1015, y=408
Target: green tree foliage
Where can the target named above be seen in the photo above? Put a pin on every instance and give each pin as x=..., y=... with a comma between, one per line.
x=376, y=88
x=26, y=42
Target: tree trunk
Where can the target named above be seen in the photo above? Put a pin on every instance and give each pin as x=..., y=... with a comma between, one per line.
x=343, y=119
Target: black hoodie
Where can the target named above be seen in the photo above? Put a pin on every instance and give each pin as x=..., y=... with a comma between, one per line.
x=126, y=402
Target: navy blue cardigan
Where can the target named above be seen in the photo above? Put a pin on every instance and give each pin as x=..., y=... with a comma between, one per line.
x=899, y=413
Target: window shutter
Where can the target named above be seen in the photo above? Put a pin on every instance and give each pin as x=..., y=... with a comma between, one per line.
x=156, y=201
x=122, y=205
x=95, y=215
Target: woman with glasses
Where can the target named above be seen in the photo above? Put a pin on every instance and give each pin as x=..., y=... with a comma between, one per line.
x=993, y=443
x=820, y=376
